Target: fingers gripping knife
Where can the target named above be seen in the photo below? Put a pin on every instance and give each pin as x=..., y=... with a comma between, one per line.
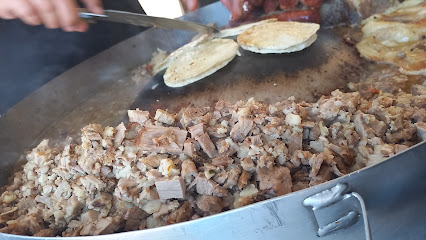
x=335, y=197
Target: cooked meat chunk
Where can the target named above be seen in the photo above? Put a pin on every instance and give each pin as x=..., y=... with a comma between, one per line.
x=223, y=161
x=197, y=130
x=324, y=174
x=91, y=183
x=210, y=204
x=100, y=227
x=278, y=179
x=92, y=132
x=189, y=170
x=256, y=140
x=184, y=213
x=161, y=139
x=418, y=90
x=138, y=116
x=244, y=179
x=153, y=161
x=127, y=188
x=164, y=117
x=367, y=125
x=241, y=129
x=134, y=217
x=191, y=115
x=206, y=144
x=206, y=186
x=25, y=204
x=73, y=208
x=120, y=135
x=171, y=188
x=421, y=130
x=190, y=147
x=295, y=141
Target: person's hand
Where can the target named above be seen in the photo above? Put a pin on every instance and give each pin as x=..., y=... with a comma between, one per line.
x=240, y=8
x=191, y=5
x=52, y=13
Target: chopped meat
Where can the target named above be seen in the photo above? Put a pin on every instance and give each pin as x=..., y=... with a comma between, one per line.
x=421, y=130
x=92, y=184
x=223, y=161
x=233, y=176
x=103, y=200
x=153, y=174
x=73, y=208
x=256, y=140
x=191, y=115
x=46, y=233
x=206, y=144
x=153, y=161
x=419, y=115
x=171, y=188
x=120, y=135
x=226, y=147
x=190, y=147
x=347, y=154
x=329, y=108
x=325, y=174
x=210, y=204
x=418, y=90
x=277, y=178
x=244, y=179
x=127, y=188
x=181, y=214
x=134, y=217
x=241, y=129
x=132, y=131
x=197, y=130
x=300, y=180
x=89, y=216
x=166, y=208
x=161, y=139
x=138, y=116
x=25, y=204
x=145, y=175
x=367, y=125
x=92, y=132
x=301, y=157
x=164, y=117
x=189, y=170
x=206, y=186
x=100, y=227
x=295, y=142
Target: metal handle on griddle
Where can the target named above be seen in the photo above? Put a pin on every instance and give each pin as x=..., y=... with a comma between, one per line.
x=331, y=196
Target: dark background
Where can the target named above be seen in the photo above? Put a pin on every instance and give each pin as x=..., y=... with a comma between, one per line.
x=30, y=56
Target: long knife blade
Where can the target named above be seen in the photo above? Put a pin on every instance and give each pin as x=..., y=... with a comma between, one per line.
x=147, y=21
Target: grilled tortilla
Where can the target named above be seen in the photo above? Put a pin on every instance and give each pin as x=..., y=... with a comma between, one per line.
x=187, y=47
x=235, y=31
x=278, y=37
x=200, y=62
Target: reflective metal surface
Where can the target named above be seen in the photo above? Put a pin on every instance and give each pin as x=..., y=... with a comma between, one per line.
x=101, y=89
x=147, y=21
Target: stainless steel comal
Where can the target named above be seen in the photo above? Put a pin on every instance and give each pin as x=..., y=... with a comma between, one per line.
x=102, y=88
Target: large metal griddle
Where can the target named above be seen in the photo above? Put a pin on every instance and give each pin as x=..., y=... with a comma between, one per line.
x=101, y=89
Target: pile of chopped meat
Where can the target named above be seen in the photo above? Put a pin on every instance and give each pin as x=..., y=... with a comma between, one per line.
x=168, y=168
